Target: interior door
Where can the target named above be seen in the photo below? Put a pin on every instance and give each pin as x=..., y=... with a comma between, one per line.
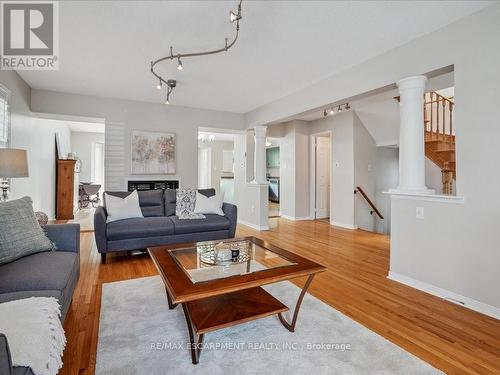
x=322, y=177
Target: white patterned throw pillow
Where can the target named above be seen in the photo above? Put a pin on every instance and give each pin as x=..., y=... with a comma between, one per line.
x=185, y=204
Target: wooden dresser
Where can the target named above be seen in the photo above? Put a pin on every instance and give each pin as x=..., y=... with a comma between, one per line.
x=65, y=189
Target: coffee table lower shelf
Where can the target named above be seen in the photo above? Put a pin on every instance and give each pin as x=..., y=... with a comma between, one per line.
x=213, y=313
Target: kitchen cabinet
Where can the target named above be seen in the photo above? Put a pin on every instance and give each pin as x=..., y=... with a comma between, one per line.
x=273, y=157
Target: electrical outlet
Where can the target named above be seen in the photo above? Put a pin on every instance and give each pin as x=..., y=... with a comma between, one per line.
x=419, y=214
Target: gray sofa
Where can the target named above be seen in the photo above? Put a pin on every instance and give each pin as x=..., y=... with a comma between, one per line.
x=159, y=226
x=46, y=274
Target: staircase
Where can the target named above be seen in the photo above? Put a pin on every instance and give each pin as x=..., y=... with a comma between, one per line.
x=440, y=136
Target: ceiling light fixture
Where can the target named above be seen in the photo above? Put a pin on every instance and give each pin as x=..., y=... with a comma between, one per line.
x=158, y=86
x=233, y=17
x=171, y=83
x=346, y=106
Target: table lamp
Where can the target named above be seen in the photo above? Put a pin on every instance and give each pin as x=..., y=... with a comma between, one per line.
x=13, y=163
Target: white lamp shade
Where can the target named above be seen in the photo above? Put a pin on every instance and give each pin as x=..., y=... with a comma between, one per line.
x=13, y=163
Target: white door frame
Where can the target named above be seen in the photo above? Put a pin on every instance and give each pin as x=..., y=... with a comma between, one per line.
x=312, y=166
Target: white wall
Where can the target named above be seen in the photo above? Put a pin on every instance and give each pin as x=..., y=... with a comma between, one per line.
x=386, y=177
x=294, y=170
x=123, y=116
x=82, y=143
x=433, y=178
x=251, y=199
x=462, y=254
x=36, y=135
x=364, y=175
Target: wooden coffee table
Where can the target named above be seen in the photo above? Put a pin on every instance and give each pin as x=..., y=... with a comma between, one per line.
x=228, y=293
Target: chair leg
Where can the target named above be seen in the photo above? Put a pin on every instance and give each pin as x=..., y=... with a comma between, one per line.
x=103, y=258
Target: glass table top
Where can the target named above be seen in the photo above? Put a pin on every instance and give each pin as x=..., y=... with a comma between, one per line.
x=216, y=260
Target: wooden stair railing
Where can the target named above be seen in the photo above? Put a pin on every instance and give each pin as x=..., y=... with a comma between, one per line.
x=374, y=209
x=440, y=136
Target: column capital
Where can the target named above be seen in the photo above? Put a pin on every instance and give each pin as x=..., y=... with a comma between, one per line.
x=414, y=82
x=260, y=130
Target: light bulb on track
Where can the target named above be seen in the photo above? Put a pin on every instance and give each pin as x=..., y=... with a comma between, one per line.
x=179, y=64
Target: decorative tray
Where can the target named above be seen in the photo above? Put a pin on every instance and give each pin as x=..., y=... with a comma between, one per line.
x=225, y=253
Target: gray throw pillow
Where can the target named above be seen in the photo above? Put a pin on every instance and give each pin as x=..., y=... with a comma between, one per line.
x=20, y=233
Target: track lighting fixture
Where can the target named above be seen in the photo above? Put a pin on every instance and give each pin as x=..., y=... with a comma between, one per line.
x=346, y=107
x=233, y=17
x=158, y=86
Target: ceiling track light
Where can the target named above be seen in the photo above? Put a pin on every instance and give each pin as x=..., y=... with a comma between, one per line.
x=346, y=106
x=171, y=83
x=233, y=18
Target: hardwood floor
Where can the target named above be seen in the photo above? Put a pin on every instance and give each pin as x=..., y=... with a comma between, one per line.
x=451, y=338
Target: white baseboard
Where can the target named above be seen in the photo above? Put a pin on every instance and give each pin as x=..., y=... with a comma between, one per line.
x=455, y=298
x=298, y=218
x=253, y=226
x=342, y=225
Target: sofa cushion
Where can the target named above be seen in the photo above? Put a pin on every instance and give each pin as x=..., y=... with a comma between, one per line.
x=208, y=224
x=139, y=228
x=150, y=201
x=170, y=199
x=49, y=271
x=207, y=192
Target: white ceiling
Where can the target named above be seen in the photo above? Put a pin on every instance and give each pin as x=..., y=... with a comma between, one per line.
x=106, y=46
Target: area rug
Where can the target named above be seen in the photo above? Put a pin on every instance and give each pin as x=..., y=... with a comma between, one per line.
x=138, y=334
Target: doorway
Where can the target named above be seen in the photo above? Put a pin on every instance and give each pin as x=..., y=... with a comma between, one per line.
x=321, y=175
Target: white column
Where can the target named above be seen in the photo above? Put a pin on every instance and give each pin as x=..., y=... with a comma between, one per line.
x=260, y=155
x=411, y=136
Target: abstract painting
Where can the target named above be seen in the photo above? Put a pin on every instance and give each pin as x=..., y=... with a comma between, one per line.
x=153, y=153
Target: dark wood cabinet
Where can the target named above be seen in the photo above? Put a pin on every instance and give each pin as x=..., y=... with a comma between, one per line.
x=65, y=189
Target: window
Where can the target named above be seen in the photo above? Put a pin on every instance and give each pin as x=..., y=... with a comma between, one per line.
x=4, y=117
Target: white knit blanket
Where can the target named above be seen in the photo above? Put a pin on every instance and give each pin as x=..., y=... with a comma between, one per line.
x=34, y=333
